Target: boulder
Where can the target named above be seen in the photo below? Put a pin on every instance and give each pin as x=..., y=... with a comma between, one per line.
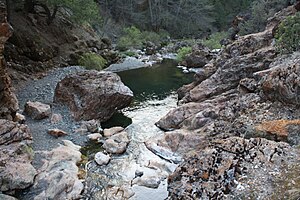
x=57, y=178
x=282, y=83
x=117, y=143
x=199, y=57
x=37, y=110
x=112, y=131
x=93, y=94
x=16, y=154
x=101, y=158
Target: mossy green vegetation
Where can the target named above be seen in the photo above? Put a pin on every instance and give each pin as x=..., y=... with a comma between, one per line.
x=183, y=52
x=135, y=38
x=288, y=34
x=213, y=41
x=92, y=61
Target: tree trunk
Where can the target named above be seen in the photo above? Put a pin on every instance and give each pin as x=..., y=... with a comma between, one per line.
x=50, y=17
x=8, y=10
x=29, y=6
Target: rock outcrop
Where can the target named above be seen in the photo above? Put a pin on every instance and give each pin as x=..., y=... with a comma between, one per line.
x=238, y=124
x=8, y=100
x=93, y=94
x=235, y=168
x=16, y=171
x=199, y=57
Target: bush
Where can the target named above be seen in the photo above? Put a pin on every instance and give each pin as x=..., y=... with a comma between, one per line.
x=134, y=38
x=183, y=52
x=213, y=42
x=92, y=61
x=288, y=34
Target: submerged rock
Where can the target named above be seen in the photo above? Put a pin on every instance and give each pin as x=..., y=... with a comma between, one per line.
x=117, y=143
x=93, y=95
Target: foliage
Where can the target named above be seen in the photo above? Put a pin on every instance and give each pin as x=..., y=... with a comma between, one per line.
x=92, y=61
x=80, y=11
x=226, y=10
x=180, y=18
x=183, y=52
x=288, y=34
x=213, y=42
x=134, y=38
x=260, y=11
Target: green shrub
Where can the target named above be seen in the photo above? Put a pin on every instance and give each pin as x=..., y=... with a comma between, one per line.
x=213, y=42
x=183, y=52
x=132, y=38
x=288, y=34
x=92, y=61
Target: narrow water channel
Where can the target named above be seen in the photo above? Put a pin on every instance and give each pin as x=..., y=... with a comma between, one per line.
x=154, y=91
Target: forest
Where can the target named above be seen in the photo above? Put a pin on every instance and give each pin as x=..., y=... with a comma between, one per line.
x=177, y=18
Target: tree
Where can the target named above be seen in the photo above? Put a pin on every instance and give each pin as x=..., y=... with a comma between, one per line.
x=87, y=13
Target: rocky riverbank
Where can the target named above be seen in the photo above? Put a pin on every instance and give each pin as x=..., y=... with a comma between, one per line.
x=242, y=110
x=234, y=133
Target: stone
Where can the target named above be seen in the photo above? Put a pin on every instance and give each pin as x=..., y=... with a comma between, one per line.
x=16, y=154
x=120, y=192
x=13, y=132
x=19, y=118
x=56, y=132
x=112, y=131
x=37, y=110
x=282, y=82
x=57, y=178
x=147, y=181
x=56, y=118
x=92, y=126
x=117, y=144
x=17, y=175
x=199, y=57
x=93, y=95
x=101, y=158
x=94, y=136
x=6, y=197
x=138, y=173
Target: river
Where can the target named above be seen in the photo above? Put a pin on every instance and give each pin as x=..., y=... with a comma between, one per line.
x=154, y=90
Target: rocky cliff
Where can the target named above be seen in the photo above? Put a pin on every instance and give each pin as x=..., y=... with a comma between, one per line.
x=238, y=124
